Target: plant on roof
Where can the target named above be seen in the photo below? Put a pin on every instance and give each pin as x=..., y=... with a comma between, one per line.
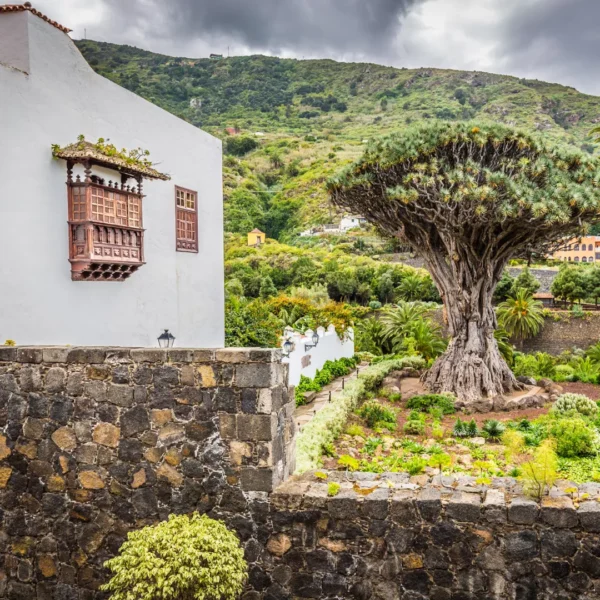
x=468, y=198
x=184, y=558
x=138, y=157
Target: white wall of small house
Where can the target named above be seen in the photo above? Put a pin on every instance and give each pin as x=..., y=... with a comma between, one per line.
x=58, y=98
x=307, y=362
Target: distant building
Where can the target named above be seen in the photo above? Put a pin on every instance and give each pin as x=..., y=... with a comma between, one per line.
x=351, y=221
x=196, y=103
x=256, y=237
x=216, y=57
x=546, y=298
x=232, y=130
x=585, y=249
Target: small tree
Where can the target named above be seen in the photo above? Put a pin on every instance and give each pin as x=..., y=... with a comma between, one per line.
x=184, y=558
x=468, y=198
x=267, y=288
x=526, y=281
x=570, y=284
x=504, y=287
x=592, y=283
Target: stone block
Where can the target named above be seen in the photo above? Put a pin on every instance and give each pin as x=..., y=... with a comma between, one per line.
x=402, y=507
x=376, y=505
x=56, y=354
x=233, y=355
x=249, y=400
x=494, y=506
x=134, y=421
x=257, y=480
x=65, y=438
x=207, y=376
x=272, y=355
x=106, y=434
x=121, y=374
x=8, y=354
x=149, y=355
x=203, y=356
x=75, y=385
x=559, y=512
x=120, y=395
x=30, y=379
x=521, y=545
x=225, y=400
x=256, y=427
x=56, y=378
x=29, y=355
x=187, y=375
x=464, y=507
x=523, y=511
x=589, y=516
x=172, y=433
x=96, y=390
x=257, y=375
x=180, y=355
x=86, y=356
x=344, y=506
x=429, y=504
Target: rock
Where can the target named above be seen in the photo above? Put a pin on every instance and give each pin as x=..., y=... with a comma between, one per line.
x=526, y=380
x=500, y=403
x=279, y=544
x=482, y=405
x=65, y=438
x=478, y=441
x=170, y=474
x=107, y=434
x=90, y=480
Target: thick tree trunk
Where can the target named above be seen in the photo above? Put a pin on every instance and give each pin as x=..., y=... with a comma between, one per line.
x=472, y=367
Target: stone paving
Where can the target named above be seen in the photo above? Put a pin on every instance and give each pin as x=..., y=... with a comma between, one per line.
x=304, y=414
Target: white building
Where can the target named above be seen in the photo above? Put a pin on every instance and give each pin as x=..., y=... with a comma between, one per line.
x=306, y=358
x=351, y=221
x=109, y=266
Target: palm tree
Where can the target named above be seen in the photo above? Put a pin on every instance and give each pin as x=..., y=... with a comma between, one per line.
x=520, y=315
x=370, y=337
x=411, y=287
x=406, y=327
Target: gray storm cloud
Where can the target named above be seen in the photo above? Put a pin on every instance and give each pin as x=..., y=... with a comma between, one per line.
x=310, y=26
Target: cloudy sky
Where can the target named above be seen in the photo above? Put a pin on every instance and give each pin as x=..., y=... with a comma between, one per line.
x=552, y=40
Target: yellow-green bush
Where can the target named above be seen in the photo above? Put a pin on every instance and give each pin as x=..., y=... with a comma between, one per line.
x=184, y=558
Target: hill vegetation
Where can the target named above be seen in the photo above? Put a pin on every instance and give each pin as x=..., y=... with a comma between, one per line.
x=294, y=123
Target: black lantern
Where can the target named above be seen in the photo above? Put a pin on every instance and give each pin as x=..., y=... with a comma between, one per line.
x=166, y=339
x=315, y=342
x=288, y=346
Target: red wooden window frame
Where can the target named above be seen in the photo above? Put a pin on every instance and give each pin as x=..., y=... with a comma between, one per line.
x=186, y=219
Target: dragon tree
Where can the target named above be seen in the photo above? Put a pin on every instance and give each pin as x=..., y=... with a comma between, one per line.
x=469, y=198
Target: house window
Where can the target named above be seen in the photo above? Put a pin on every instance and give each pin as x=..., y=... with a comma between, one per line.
x=590, y=247
x=584, y=259
x=577, y=259
x=186, y=206
x=591, y=259
x=576, y=247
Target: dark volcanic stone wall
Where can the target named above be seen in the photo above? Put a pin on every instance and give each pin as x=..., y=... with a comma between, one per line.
x=95, y=442
x=392, y=537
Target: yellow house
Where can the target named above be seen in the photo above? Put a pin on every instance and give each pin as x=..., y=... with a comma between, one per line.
x=256, y=237
x=584, y=249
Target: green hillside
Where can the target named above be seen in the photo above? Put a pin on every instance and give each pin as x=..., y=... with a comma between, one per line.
x=316, y=115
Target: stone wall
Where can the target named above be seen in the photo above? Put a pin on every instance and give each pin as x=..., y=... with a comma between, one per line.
x=95, y=442
x=562, y=331
x=392, y=537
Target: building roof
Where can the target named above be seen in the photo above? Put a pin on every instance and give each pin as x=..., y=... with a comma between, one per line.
x=84, y=151
x=543, y=296
x=6, y=8
x=257, y=231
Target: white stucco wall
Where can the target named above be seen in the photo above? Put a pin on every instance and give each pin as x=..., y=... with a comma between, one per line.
x=307, y=362
x=59, y=99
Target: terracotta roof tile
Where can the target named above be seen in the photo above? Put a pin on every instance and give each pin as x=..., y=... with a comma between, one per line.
x=6, y=8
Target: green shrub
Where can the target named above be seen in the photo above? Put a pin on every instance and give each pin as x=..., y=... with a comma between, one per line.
x=184, y=558
x=575, y=403
x=415, y=465
x=355, y=430
x=414, y=428
x=424, y=402
x=333, y=489
x=563, y=373
x=493, y=429
x=376, y=414
x=586, y=370
x=240, y=145
x=462, y=429
x=372, y=444
x=573, y=438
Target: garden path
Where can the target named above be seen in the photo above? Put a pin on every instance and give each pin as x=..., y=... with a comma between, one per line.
x=305, y=413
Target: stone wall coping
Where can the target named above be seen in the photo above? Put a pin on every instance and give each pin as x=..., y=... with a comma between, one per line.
x=116, y=354
x=458, y=498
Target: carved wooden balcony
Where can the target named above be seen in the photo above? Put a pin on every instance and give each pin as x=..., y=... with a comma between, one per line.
x=106, y=234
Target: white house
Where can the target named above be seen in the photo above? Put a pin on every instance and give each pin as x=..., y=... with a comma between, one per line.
x=351, y=221
x=126, y=249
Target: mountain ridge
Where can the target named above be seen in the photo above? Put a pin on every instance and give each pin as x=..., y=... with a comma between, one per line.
x=308, y=118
